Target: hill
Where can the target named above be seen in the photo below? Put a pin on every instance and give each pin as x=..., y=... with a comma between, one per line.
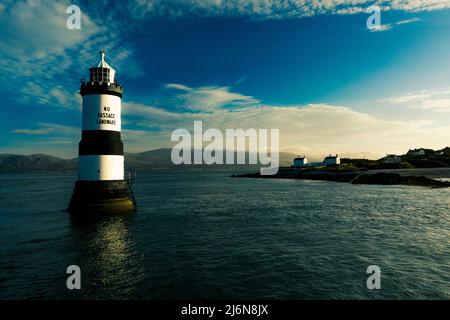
x=418, y=158
x=12, y=163
x=161, y=159
x=148, y=160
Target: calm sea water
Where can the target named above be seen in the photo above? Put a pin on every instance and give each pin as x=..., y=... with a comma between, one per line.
x=206, y=235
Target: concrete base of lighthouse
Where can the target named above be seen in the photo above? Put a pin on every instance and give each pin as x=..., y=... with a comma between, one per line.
x=102, y=197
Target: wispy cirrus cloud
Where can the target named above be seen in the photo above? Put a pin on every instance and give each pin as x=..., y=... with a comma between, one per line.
x=51, y=138
x=273, y=9
x=34, y=131
x=208, y=98
x=389, y=26
x=40, y=56
x=429, y=100
x=407, y=21
x=47, y=128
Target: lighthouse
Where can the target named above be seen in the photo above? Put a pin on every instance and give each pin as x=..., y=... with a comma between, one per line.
x=101, y=186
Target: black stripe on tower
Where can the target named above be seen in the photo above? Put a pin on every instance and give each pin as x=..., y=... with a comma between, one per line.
x=101, y=88
x=100, y=142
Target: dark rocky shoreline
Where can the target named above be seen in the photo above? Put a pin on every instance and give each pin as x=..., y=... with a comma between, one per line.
x=353, y=177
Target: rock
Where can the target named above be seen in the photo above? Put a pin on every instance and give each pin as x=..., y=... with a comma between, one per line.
x=378, y=178
x=394, y=178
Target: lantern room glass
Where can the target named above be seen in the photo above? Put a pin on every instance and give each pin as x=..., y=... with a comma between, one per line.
x=99, y=75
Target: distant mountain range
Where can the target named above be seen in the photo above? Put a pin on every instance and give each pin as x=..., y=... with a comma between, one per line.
x=13, y=163
x=161, y=159
x=149, y=160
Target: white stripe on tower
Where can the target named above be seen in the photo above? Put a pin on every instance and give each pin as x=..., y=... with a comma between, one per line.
x=101, y=167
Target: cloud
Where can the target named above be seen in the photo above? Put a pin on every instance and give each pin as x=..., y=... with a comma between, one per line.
x=430, y=100
x=208, y=98
x=272, y=9
x=178, y=86
x=50, y=138
x=380, y=28
x=241, y=80
x=33, y=131
x=40, y=56
x=315, y=129
x=154, y=118
x=389, y=26
x=40, y=60
x=46, y=128
x=407, y=21
x=416, y=5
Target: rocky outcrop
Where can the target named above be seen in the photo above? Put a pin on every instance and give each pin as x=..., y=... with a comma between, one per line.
x=354, y=177
x=394, y=178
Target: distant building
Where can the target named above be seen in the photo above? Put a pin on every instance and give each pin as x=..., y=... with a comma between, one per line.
x=328, y=161
x=392, y=158
x=416, y=152
x=300, y=162
x=332, y=160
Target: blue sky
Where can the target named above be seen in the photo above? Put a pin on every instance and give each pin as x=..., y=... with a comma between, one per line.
x=310, y=68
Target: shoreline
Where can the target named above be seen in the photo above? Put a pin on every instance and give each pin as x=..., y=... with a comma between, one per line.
x=411, y=177
x=433, y=173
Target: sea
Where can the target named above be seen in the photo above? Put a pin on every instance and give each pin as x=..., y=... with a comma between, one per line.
x=201, y=234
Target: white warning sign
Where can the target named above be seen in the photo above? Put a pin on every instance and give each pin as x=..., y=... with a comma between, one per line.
x=101, y=112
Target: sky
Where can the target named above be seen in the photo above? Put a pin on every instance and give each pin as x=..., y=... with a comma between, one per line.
x=312, y=69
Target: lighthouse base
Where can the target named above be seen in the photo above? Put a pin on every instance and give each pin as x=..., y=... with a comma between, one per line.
x=102, y=197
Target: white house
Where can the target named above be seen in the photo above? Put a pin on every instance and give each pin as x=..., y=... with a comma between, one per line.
x=328, y=161
x=416, y=152
x=332, y=160
x=300, y=161
x=392, y=158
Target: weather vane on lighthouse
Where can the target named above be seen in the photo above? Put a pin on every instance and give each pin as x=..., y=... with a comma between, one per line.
x=101, y=187
x=103, y=53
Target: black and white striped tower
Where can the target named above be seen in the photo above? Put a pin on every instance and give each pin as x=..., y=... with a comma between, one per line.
x=101, y=187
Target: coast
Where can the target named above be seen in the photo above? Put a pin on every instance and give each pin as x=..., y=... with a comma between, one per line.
x=412, y=177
